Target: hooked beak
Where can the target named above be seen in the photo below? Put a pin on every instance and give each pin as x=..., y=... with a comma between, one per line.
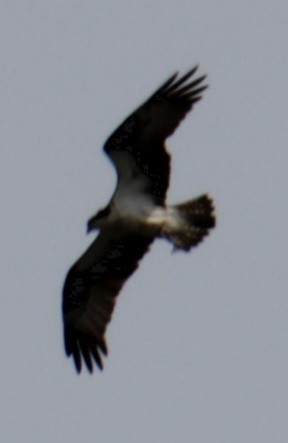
x=91, y=224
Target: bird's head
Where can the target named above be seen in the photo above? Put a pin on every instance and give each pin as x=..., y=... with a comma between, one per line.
x=99, y=220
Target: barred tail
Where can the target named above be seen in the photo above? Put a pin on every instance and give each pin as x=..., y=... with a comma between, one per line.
x=196, y=218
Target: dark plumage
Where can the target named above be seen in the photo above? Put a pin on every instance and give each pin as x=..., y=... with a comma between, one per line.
x=135, y=216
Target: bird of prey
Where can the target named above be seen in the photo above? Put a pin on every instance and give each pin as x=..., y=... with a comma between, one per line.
x=135, y=216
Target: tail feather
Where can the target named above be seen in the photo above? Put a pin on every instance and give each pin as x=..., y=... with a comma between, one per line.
x=196, y=218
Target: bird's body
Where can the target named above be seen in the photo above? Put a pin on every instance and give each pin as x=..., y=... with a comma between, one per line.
x=135, y=216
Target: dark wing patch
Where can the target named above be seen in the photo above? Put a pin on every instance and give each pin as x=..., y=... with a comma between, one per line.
x=89, y=293
x=144, y=132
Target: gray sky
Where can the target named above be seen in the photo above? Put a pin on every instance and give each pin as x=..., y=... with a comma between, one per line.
x=198, y=342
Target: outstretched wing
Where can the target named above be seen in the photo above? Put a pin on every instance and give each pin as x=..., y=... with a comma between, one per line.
x=142, y=135
x=90, y=290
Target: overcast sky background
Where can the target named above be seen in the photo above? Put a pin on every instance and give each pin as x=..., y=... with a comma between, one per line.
x=198, y=342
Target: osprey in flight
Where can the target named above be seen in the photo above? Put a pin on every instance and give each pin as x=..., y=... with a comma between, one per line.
x=134, y=217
